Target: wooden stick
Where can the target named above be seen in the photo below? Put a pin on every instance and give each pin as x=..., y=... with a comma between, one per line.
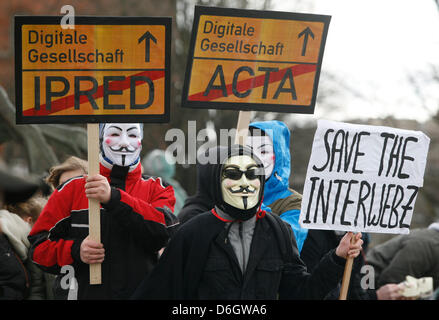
x=242, y=127
x=346, y=275
x=94, y=217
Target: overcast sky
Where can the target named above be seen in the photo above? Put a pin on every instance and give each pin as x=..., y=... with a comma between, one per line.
x=374, y=46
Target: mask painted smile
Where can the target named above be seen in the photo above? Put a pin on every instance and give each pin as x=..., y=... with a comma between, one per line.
x=243, y=190
x=122, y=150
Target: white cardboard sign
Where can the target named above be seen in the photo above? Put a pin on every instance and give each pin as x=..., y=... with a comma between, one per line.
x=363, y=178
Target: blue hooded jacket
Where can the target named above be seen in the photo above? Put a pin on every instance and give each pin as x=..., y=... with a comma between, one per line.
x=277, y=185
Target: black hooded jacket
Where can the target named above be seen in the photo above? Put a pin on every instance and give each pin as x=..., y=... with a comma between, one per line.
x=199, y=261
x=202, y=201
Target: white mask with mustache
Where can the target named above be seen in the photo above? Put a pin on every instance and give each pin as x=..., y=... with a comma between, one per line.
x=240, y=184
x=122, y=143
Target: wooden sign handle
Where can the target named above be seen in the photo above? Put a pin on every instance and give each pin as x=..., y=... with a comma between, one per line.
x=94, y=220
x=242, y=127
x=346, y=275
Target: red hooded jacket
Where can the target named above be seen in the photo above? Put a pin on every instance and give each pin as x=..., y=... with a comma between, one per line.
x=133, y=228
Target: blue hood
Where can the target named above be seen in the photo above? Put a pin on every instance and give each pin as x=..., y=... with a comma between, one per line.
x=276, y=187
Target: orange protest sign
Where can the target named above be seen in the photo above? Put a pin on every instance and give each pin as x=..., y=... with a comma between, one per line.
x=254, y=60
x=103, y=70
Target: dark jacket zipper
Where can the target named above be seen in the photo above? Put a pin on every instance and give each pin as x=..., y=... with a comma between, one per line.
x=242, y=247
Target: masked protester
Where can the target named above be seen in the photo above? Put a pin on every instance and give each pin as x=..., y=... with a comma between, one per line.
x=134, y=216
x=270, y=140
x=238, y=251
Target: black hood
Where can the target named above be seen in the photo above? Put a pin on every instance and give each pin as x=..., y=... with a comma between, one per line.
x=222, y=156
x=203, y=199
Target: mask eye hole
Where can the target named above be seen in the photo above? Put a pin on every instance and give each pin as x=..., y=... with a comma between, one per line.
x=251, y=174
x=236, y=174
x=233, y=174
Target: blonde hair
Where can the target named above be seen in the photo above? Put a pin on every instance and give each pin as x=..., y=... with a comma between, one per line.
x=70, y=164
x=30, y=208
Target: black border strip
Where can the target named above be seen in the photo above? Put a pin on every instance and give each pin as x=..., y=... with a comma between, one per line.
x=246, y=106
x=19, y=21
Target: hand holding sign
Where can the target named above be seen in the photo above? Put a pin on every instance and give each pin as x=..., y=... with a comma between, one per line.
x=92, y=252
x=350, y=246
x=98, y=188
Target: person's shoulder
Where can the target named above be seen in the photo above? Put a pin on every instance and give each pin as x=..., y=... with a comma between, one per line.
x=292, y=202
x=422, y=237
x=71, y=183
x=159, y=181
x=294, y=197
x=202, y=220
x=195, y=228
x=276, y=223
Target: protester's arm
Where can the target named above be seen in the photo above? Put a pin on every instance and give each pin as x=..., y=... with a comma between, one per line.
x=297, y=283
x=314, y=248
x=51, y=246
x=148, y=218
x=165, y=282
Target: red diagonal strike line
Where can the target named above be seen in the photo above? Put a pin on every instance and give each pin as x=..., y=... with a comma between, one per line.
x=69, y=101
x=254, y=82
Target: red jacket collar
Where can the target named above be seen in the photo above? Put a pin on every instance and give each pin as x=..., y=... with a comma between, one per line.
x=132, y=176
x=259, y=215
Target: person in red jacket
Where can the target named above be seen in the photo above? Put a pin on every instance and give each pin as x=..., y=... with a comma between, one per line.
x=136, y=215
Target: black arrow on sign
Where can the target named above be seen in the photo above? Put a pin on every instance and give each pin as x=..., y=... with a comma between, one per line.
x=147, y=36
x=305, y=33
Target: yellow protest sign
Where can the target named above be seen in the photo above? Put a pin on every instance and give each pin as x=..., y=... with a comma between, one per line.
x=254, y=60
x=103, y=70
